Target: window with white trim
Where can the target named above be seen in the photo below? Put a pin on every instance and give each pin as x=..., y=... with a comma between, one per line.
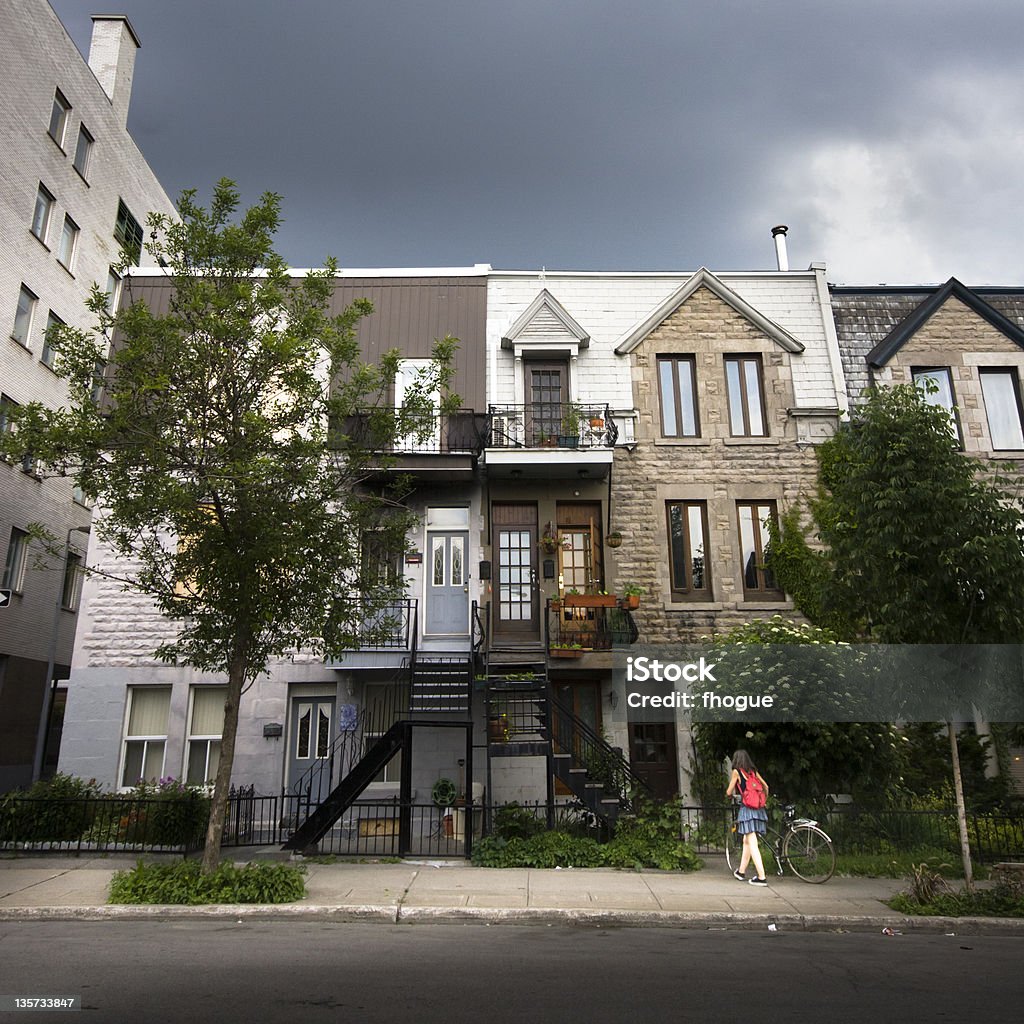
x=41, y=213
x=128, y=232
x=145, y=734
x=23, y=316
x=17, y=559
x=205, y=729
x=383, y=703
x=83, y=150
x=72, y=587
x=52, y=323
x=936, y=384
x=59, y=118
x=68, y=243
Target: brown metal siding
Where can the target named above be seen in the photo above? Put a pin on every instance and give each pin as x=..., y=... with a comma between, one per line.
x=409, y=314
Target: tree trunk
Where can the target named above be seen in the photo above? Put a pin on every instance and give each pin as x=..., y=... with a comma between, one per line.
x=961, y=810
x=219, y=803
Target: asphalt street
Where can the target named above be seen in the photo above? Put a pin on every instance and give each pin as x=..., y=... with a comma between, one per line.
x=202, y=971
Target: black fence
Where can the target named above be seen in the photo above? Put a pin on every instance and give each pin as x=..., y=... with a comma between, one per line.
x=389, y=828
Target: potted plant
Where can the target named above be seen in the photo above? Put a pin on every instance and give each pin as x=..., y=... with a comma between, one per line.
x=596, y=421
x=570, y=436
x=614, y=539
x=549, y=542
x=631, y=597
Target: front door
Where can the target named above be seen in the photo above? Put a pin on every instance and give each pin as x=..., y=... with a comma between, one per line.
x=514, y=531
x=447, y=584
x=309, y=745
x=652, y=755
x=584, y=701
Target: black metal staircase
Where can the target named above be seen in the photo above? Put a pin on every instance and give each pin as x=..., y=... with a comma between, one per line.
x=525, y=719
x=323, y=817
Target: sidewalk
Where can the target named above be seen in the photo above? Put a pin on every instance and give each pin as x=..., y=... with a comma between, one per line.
x=61, y=888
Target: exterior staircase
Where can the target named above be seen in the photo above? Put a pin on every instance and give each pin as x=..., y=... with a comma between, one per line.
x=524, y=719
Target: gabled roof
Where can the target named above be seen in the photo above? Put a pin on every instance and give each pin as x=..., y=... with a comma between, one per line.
x=907, y=328
x=548, y=318
x=705, y=279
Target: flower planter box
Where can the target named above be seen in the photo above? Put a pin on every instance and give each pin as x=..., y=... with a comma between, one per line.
x=590, y=600
x=565, y=652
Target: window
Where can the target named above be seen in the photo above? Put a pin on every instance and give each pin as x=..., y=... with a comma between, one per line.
x=17, y=558
x=83, y=150
x=689, y=568
x=113, y=290
x=1001, y=390
x=72, y=586
x=41, y=213
x=936, y=383
x=145, y=737
x=59, y=118
x=23, y=316
x=99, y=380
x=206, y=725
x=6, y=405
x=746, y=401
x=677, y=388
x=52, y=323
x=754, y=517
x=128, y=232
x=68, y=242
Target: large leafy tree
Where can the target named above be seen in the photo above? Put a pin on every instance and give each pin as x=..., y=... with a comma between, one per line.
x=919, y=543
x=230, y=455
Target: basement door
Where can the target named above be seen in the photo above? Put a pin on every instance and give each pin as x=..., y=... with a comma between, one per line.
x=309, y=746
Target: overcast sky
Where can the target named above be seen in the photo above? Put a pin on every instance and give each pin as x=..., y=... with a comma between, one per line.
x=599, y=134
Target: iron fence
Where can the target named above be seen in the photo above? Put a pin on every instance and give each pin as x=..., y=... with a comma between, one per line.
x=551, y=425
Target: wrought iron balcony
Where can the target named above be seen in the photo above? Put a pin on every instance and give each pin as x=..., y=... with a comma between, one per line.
x=573, y=629
x=462, y=432
x=551, y=425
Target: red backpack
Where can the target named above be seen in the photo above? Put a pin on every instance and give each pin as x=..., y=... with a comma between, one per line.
x=754, y=795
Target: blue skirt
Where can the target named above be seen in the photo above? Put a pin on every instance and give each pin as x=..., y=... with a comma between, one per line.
x=750, y=819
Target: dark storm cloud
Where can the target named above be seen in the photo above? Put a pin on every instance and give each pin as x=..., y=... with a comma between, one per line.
x=592, y=134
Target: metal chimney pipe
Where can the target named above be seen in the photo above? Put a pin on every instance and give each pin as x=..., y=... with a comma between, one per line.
x=779, y=234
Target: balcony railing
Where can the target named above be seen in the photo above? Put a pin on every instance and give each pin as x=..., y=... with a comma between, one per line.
x=462, y=432
x=551, y=425
x=573, y=630
x=391, y=627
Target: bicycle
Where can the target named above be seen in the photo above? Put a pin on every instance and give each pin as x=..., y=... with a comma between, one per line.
x=803, y=845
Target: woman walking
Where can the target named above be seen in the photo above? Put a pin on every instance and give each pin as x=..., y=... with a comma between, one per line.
x=752, y=819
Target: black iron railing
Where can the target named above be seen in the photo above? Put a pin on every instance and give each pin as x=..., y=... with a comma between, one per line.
x=589, y=750
x=574, y=628
x=461, y=432
x=390, y=627
x=551, y=425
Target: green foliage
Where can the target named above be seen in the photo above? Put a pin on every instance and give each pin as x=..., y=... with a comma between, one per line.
x=230, y=458
x=650, y=838
x=892, y=864
x=930, y=895
x=908, y=523
x=184, y=883
x=926, y=745
x=512, y=821
x=544, y=850
x=166, y=813
x=52, y=810
x=803, y=761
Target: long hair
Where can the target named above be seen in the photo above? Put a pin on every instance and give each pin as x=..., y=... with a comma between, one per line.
x=741, y=761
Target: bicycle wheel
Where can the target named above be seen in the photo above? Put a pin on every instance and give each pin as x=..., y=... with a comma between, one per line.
x=808, y=851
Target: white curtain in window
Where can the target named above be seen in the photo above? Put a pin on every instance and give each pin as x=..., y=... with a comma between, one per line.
x=150, y=707
x=208, y=710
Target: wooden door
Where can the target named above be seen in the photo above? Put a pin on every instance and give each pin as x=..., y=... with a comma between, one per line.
x=516, y=604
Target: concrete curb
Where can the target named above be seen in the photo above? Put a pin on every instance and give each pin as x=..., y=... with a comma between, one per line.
x=390, y=914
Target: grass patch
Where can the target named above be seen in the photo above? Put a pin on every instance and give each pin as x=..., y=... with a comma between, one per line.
x=898, y=865
x=183, y=883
